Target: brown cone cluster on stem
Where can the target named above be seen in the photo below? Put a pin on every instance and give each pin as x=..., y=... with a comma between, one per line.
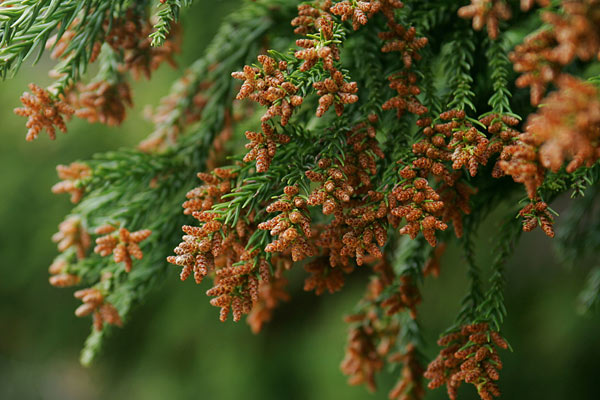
x=291, y=225
x=410, y=385
x=363, y=357
x=534, y=60
x=60, y=276
x=43, y=112
x=359, y=226
x=101, y=101
x=486, y=13
x=406, y=42
x=130, y=36
x=537, y=214
x=565, y=130
x=373, y=336
x=470, y=355
x=122, y=244
x=504, y=134
x=94, y=302
x=170, y=118
x=406, y=298
x=569, y=35
x=270, y=293
x=369, y=343
x=469, y=146
x=359, y=12
x=236, y=287
x=72, y=233
x=269, y=87
x=323, y=277
x=334, y=90
x=72, y=176
x=196, y=253
x=414, y=201
x=242, y=279
x=404, y=83
x=576, y=30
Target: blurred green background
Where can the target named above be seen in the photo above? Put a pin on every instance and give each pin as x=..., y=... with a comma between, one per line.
x=175, y=347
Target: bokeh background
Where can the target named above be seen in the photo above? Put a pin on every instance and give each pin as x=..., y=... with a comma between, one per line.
x=174, y=346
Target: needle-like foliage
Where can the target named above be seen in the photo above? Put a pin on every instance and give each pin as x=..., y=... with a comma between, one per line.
x=329, y=135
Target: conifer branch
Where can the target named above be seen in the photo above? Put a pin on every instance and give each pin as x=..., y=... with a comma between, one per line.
x=430, y=15
x=367, y=150
x=410, y=256
x=167, y=13
x=474, y=296
x=458, y=57
x=492, y=309
x=500, y=67
x=144, y=191
x=27, y=25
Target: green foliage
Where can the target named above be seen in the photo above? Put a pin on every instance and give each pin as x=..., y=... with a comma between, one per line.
x=458, y=58
x=576, y=182
x=27, y=25
x=474, y=296
x=500, y=68
x=492, y=309
x=139, y=190
x=166, y=14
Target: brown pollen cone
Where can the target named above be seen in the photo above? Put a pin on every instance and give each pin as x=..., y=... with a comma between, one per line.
x=122, y=244
x=469, y=355
x=94, y=303
x=71, y=176
x=43, y=112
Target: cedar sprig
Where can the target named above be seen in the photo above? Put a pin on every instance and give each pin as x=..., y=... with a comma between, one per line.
x=501, y=71
x=459, y=57
x=428, y=15
x=94, y=303
x=375, y=336
x=123, y=246
x=27, y=25
x=371, y=334
x=475, y=296
x=418, y=204
x=492, y=309
x=167, y=13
